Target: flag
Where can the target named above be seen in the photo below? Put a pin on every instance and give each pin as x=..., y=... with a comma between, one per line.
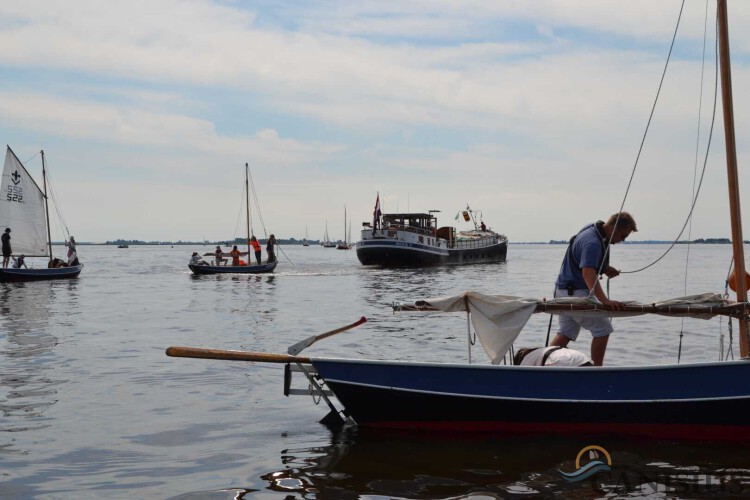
x=376, y=213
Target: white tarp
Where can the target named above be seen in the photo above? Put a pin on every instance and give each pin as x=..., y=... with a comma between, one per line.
x=22, y=209
x=499, y=319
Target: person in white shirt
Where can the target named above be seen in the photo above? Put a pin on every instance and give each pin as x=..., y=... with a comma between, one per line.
x=551, y=356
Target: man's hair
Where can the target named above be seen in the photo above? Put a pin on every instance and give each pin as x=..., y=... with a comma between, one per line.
x=624, y=221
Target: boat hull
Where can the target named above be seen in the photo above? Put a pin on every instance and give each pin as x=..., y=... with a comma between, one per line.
x=704, y=402
x=42, y=274
x=257, y=269
x=389, y=253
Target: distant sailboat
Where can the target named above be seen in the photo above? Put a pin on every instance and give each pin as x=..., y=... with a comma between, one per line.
x=345, y=245
x=202, y=268
x=305, y=243
x=327, y=243
x=26, y=212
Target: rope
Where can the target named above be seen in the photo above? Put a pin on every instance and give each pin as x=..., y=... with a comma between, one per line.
x=643, y=140
x=695, y=175
x=703, y=172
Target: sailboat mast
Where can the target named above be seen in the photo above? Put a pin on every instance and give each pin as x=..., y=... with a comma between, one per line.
x=46, y=206
x=733, y=180
x=344, y=224
x=247, y=209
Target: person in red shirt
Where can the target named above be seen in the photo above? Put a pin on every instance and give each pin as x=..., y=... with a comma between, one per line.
x=235, y=253
x=256, y=248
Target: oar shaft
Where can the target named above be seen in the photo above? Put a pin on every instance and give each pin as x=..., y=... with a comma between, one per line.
x=263, y=357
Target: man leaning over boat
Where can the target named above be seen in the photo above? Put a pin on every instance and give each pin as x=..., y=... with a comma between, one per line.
x=586, y=257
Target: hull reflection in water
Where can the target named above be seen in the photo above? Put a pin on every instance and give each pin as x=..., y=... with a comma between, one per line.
x=361, y=462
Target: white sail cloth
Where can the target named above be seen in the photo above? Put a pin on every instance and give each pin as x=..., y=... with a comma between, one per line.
x=499, y=319
x=22, y=209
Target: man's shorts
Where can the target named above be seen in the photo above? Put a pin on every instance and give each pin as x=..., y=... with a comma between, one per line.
x=570, y=326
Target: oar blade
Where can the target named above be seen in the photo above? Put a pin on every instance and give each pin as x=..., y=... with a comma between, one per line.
x=300, y=346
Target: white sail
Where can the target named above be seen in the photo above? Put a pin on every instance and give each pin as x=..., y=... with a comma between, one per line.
x=22, y=209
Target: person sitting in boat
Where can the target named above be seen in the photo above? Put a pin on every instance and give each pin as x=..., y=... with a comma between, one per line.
x=588, y=255
x=19, y=262
x=269, y=249
x=550, y=356
x=55, y=263
x=219, y=256
x=256, y=248
x=196, y=260
x=482, y=226
x=235, y=253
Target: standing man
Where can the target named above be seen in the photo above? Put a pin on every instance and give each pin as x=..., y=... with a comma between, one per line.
x=269, y=249
x=6, y=247
x=219, y=256
x=586, y=257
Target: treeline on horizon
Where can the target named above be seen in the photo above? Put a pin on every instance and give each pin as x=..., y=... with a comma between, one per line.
x=236, y=241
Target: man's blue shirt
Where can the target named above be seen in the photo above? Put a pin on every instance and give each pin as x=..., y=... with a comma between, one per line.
x=587, y=250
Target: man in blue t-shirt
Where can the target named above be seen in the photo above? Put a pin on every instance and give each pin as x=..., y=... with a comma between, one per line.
x=585, y=260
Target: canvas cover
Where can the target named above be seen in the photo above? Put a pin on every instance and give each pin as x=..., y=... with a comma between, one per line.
x=499, y=319
x=22, y=209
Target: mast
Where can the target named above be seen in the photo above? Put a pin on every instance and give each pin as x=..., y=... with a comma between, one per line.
x=732, y=177
x=247, y=209
x=46, y=206
x=344, y=224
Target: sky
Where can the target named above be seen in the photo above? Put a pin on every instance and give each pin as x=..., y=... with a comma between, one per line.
x=530, y=112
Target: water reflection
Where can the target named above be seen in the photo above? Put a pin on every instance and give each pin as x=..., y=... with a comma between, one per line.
x=26, y=387
x=413, y=465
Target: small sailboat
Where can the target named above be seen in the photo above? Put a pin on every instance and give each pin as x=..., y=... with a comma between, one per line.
x=203, y=268
x=305, y=242
x=345, y=244
x=25, y=211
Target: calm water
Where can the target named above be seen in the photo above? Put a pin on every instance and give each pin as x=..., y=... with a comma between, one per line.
x=91, y=406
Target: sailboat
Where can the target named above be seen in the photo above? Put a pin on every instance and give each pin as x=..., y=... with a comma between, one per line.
x=25, y=211
x=327, y=243
x=248, y=269
x=702, y=401
x=345, y=244
x=305, y=242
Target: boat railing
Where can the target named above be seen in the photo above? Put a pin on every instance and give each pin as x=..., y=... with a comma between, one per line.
x=460, y=244
x=391, y=231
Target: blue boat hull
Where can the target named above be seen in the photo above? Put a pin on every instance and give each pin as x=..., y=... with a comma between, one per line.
x=40, y=274
x=258, y=269
x=701, y=401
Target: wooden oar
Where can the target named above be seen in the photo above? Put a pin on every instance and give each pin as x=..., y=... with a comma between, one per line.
x=263, y=357
x=299, y=346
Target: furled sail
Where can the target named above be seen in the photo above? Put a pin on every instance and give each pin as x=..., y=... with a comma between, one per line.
x=22, y=209
x=499, y=319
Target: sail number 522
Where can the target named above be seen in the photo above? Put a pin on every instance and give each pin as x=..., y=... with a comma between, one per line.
x=15, y=193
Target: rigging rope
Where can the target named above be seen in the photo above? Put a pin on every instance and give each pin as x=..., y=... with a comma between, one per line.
x=260, y=215
x=703, y=172
x=695, y=175
x=643, y=140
